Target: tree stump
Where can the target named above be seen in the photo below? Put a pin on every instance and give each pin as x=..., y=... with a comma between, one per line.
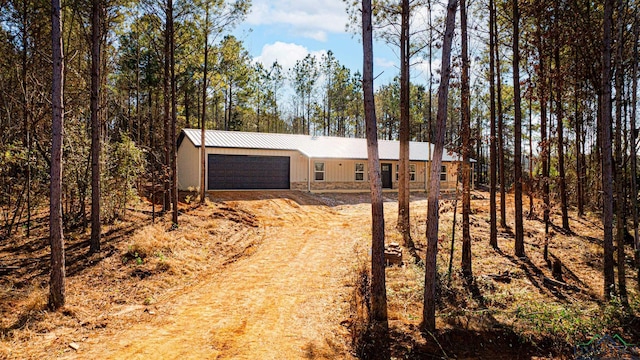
x=393, y=254
x=557, y=270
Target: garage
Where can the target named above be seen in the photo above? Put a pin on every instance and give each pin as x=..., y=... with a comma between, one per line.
x=248, y=172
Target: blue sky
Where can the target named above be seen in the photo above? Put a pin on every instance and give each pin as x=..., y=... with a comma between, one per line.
x=288, y=30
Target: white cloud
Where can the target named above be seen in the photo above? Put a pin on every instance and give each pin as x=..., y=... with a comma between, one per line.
x=316, y=35
x=309, y=18
x=285, y=53
x=385, y=63
x=421, y=68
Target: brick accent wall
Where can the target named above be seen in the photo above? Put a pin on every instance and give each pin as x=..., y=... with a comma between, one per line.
x=358, y=186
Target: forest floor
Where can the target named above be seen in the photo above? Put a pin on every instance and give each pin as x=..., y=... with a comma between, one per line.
x=273, y=275
x=515, y=308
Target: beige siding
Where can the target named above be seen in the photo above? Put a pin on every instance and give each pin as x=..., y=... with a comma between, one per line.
x=340, y=175
x=188, y=166
x=339, y=170
x=418, y=183
x=420, y=173
x=452, y=173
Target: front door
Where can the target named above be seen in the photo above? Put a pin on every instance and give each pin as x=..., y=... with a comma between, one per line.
x=385, y=173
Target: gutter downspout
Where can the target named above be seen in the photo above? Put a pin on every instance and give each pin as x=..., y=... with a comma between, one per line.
x=425, y=175
x=473, y=178
x=309, y=174
x=428, y=169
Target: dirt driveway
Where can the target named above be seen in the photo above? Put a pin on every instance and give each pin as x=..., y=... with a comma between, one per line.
x=284, y=300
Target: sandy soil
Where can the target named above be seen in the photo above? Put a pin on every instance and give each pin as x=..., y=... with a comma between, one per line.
x=284, y=301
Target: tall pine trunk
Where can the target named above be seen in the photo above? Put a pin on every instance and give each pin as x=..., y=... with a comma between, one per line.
x=166, y=90
x=57, y=281
x=174, y=121
x=544, y=145
x=429, y=308
x=466, y=147
x=530, y=180
x=96, y=145
x=560, y=131
x=138, y=117
x=25, y=112
x=403, y=172
x=578, y=119
x=203, y=128
x=517, y=125
x=430, y=104
x=634, y=148
x=378, y=284
x=501, y=159
x=493, y=156
x=619, y=166
x=605, y=138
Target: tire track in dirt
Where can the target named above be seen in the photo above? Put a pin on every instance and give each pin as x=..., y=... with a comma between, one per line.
x=283, y=301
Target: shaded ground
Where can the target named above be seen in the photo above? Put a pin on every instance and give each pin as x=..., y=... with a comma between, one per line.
x=514, y=309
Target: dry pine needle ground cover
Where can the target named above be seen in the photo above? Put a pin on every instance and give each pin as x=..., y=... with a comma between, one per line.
x=129, y=297
x=249, y=275
x=514, y=308
x=140, y=265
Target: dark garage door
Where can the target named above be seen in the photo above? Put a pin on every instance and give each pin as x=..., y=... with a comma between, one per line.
x=229, y=172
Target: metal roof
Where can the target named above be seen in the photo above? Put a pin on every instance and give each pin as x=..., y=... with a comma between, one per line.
x=311, y=146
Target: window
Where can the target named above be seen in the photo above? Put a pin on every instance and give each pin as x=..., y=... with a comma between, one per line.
x=412, y=172
x=359, y=171
x=319, y=171
x=443, y=173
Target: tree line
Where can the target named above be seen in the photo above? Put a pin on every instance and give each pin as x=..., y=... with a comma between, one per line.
x=580, y=59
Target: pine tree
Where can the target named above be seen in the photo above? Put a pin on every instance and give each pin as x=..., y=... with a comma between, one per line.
x=466, y=147
x=57, y=294
x=517, y=125
x=378, y=284
x=430, y=276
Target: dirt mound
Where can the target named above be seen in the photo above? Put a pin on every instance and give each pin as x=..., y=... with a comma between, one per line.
x=236, y=215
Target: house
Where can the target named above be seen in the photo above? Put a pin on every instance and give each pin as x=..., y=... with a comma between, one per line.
x=252, y=161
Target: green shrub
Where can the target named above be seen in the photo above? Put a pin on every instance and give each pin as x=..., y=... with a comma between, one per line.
x=125, y=163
